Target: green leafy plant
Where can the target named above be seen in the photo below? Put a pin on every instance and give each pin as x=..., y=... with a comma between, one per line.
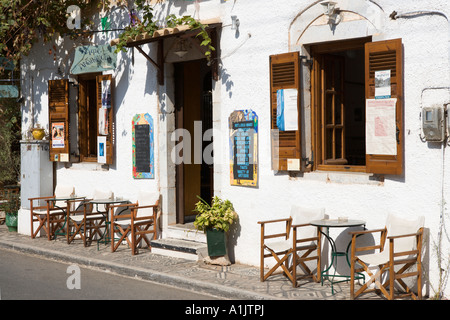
x=219, y=215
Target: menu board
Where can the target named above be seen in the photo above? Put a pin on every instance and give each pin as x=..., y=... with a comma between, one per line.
x=143, y=147
x=243, y=148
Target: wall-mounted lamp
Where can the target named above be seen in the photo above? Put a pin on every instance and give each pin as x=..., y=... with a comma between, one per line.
x=234, y=23
x=330, y=10
x=181, y=48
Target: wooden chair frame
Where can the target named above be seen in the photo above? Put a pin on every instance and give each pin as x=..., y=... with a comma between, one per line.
x=393, y=261
x=49, y=221
x=138, y=227
x=88, y=227
x=290, y=271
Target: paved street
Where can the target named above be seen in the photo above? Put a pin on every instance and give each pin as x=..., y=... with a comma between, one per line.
x=27, y=277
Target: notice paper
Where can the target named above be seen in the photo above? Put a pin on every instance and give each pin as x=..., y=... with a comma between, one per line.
x=380, y=126
x=287, y=110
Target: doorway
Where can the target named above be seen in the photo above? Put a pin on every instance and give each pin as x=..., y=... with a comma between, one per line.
x=193, y=113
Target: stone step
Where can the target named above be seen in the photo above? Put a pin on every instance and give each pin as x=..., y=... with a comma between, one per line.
x=180, y=248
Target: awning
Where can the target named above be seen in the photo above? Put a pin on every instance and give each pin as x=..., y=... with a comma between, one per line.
x=178, y=31
x=167, y=32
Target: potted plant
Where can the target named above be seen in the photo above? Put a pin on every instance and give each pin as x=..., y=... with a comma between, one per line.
x=11, y=209
x=215, y=220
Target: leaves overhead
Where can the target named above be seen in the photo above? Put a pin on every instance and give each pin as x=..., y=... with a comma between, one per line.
x=23, y=22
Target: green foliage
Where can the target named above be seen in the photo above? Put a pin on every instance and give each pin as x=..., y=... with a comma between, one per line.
x=150, y=26
x=23, y=22
x=220, y=214
x=10, y=133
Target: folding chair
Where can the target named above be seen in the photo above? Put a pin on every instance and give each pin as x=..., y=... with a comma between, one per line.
x=137, y=222
x=50, y=216
x=83, y=221
x=399, y=254
x=298, y=236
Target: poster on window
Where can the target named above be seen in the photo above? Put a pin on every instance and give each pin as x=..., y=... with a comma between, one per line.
x=106, y=94
x=243, y=126
x=381, y=127
x=383, y=84
x=58, y=135
x=101, y=149
x=287, y=110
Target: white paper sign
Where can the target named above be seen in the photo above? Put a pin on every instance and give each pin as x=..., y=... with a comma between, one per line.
x=382, y=84
x=290, y=109
x=101, y=149
x=380, y=126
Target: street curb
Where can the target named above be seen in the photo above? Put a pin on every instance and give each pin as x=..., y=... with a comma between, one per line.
x=217, y=290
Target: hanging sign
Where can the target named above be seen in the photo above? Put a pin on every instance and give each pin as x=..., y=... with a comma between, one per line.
x=9, y=91
x=6, y=64
x=143, y=147
x=93, y=59
x=243, y=126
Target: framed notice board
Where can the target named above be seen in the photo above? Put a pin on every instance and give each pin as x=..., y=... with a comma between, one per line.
x=243, y=125
x=143, y=147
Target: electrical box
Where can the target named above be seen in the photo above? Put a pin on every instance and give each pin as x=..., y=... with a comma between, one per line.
x=433, y=123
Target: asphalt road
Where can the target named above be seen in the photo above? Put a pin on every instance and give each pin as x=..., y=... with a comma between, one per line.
x=26, y=277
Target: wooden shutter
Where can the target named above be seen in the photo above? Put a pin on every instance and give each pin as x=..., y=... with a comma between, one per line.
x=284, y=74
x=110, y=134
x=386, y=55
x=58, y=111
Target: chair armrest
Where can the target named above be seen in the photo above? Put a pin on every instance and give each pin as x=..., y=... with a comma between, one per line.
x=272, y=221
x=136, y=208
x=404, y=235
x=360, y=232
x=122, y=205
x=355, y=234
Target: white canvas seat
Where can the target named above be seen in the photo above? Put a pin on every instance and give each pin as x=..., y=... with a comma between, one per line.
x=401, y=250
x=135, y=220
x=298, y=236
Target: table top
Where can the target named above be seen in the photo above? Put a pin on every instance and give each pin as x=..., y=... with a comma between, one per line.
x=337, y=223
x=107, y=201
x=64, y=198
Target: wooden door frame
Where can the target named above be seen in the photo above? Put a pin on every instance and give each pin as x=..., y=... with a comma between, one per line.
x=317, y=51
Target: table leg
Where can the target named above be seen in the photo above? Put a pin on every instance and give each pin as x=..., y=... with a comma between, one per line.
x=334, y=255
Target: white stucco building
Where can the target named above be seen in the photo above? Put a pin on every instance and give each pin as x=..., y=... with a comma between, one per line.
x=322, y=164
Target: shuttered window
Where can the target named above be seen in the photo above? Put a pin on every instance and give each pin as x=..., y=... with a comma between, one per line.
x=386, y=55
x=58, y=105
x=284, y=74
x=94, y=119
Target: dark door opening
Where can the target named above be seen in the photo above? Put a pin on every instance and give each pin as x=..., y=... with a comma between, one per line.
x=193, y=112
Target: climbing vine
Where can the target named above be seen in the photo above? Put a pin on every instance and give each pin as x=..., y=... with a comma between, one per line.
x=149, y=25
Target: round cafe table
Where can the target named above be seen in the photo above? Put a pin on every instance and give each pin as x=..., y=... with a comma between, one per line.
x=336, y=223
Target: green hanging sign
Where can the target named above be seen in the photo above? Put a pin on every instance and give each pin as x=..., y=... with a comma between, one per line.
x=93, y=59
x=9, y=91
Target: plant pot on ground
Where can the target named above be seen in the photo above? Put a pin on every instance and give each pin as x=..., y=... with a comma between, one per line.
x=215, y=220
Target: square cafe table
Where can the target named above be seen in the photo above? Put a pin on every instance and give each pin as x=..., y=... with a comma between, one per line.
x=336, y=223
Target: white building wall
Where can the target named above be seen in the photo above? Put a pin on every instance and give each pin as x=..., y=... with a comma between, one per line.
x=267, y=28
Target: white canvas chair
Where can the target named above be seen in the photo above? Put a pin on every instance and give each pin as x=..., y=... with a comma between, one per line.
x=50, y=216
x=398, y=254
x=298, y=236
x=137, y=221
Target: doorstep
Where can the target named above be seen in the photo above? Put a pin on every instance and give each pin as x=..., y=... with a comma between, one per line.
x=180, y=248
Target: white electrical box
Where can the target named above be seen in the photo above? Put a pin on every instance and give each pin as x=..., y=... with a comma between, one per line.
x=433, y=123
